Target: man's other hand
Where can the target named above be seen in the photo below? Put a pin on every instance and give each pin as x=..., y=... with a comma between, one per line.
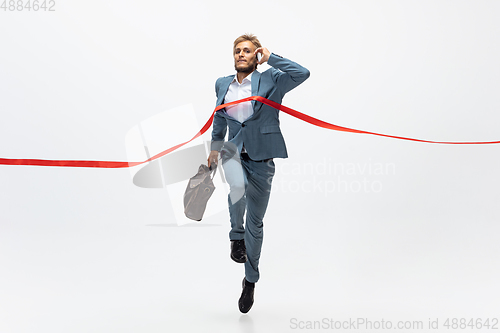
x=213, y=157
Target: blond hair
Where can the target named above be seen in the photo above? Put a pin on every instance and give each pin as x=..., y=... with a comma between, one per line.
x=247, y=37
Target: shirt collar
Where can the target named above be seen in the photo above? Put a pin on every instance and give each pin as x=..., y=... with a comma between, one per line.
x=247, y=78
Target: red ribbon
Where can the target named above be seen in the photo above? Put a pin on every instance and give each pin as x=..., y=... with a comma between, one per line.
x=297, y=114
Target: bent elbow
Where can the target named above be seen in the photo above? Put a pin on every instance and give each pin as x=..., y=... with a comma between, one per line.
x=307, y=73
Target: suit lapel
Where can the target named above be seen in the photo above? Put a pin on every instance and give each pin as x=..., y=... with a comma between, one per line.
x=223, y=89
x=255, y=88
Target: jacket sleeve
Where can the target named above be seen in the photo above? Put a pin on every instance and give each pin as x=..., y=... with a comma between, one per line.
x=290, y=74
x=219, y=126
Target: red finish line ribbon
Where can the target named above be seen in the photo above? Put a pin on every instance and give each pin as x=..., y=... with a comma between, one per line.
x=292, y=112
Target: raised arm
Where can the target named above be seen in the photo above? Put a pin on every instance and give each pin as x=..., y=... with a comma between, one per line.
x=290, y=74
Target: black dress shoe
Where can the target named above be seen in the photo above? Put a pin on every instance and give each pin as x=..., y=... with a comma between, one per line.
x=246, y=300
x=238, y=251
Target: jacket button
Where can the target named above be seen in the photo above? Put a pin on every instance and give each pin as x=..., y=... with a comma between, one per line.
x=242, y=125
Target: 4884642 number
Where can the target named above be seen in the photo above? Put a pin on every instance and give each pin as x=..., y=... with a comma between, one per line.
x=28, y=5
x=473, y=323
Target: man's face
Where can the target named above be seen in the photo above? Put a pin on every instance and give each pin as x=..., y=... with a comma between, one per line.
x=244, y=58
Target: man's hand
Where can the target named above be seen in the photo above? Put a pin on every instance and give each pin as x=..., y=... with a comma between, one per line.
x=213, y=157
x=265, y=54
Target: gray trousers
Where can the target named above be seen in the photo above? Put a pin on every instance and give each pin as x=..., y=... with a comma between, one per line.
x=249, y=190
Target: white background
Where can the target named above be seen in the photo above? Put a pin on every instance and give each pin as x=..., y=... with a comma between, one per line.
x=84, y=250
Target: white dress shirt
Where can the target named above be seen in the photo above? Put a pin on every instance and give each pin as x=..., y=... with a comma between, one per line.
x=236, y=91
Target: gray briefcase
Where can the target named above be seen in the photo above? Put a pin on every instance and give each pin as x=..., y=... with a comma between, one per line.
x=199, y=189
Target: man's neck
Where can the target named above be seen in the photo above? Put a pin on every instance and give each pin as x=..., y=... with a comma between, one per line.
x=241, y=75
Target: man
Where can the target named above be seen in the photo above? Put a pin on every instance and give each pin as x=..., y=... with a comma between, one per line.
x=254, y=139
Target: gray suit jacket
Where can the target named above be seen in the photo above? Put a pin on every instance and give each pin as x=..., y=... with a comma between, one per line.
x=260, y=132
